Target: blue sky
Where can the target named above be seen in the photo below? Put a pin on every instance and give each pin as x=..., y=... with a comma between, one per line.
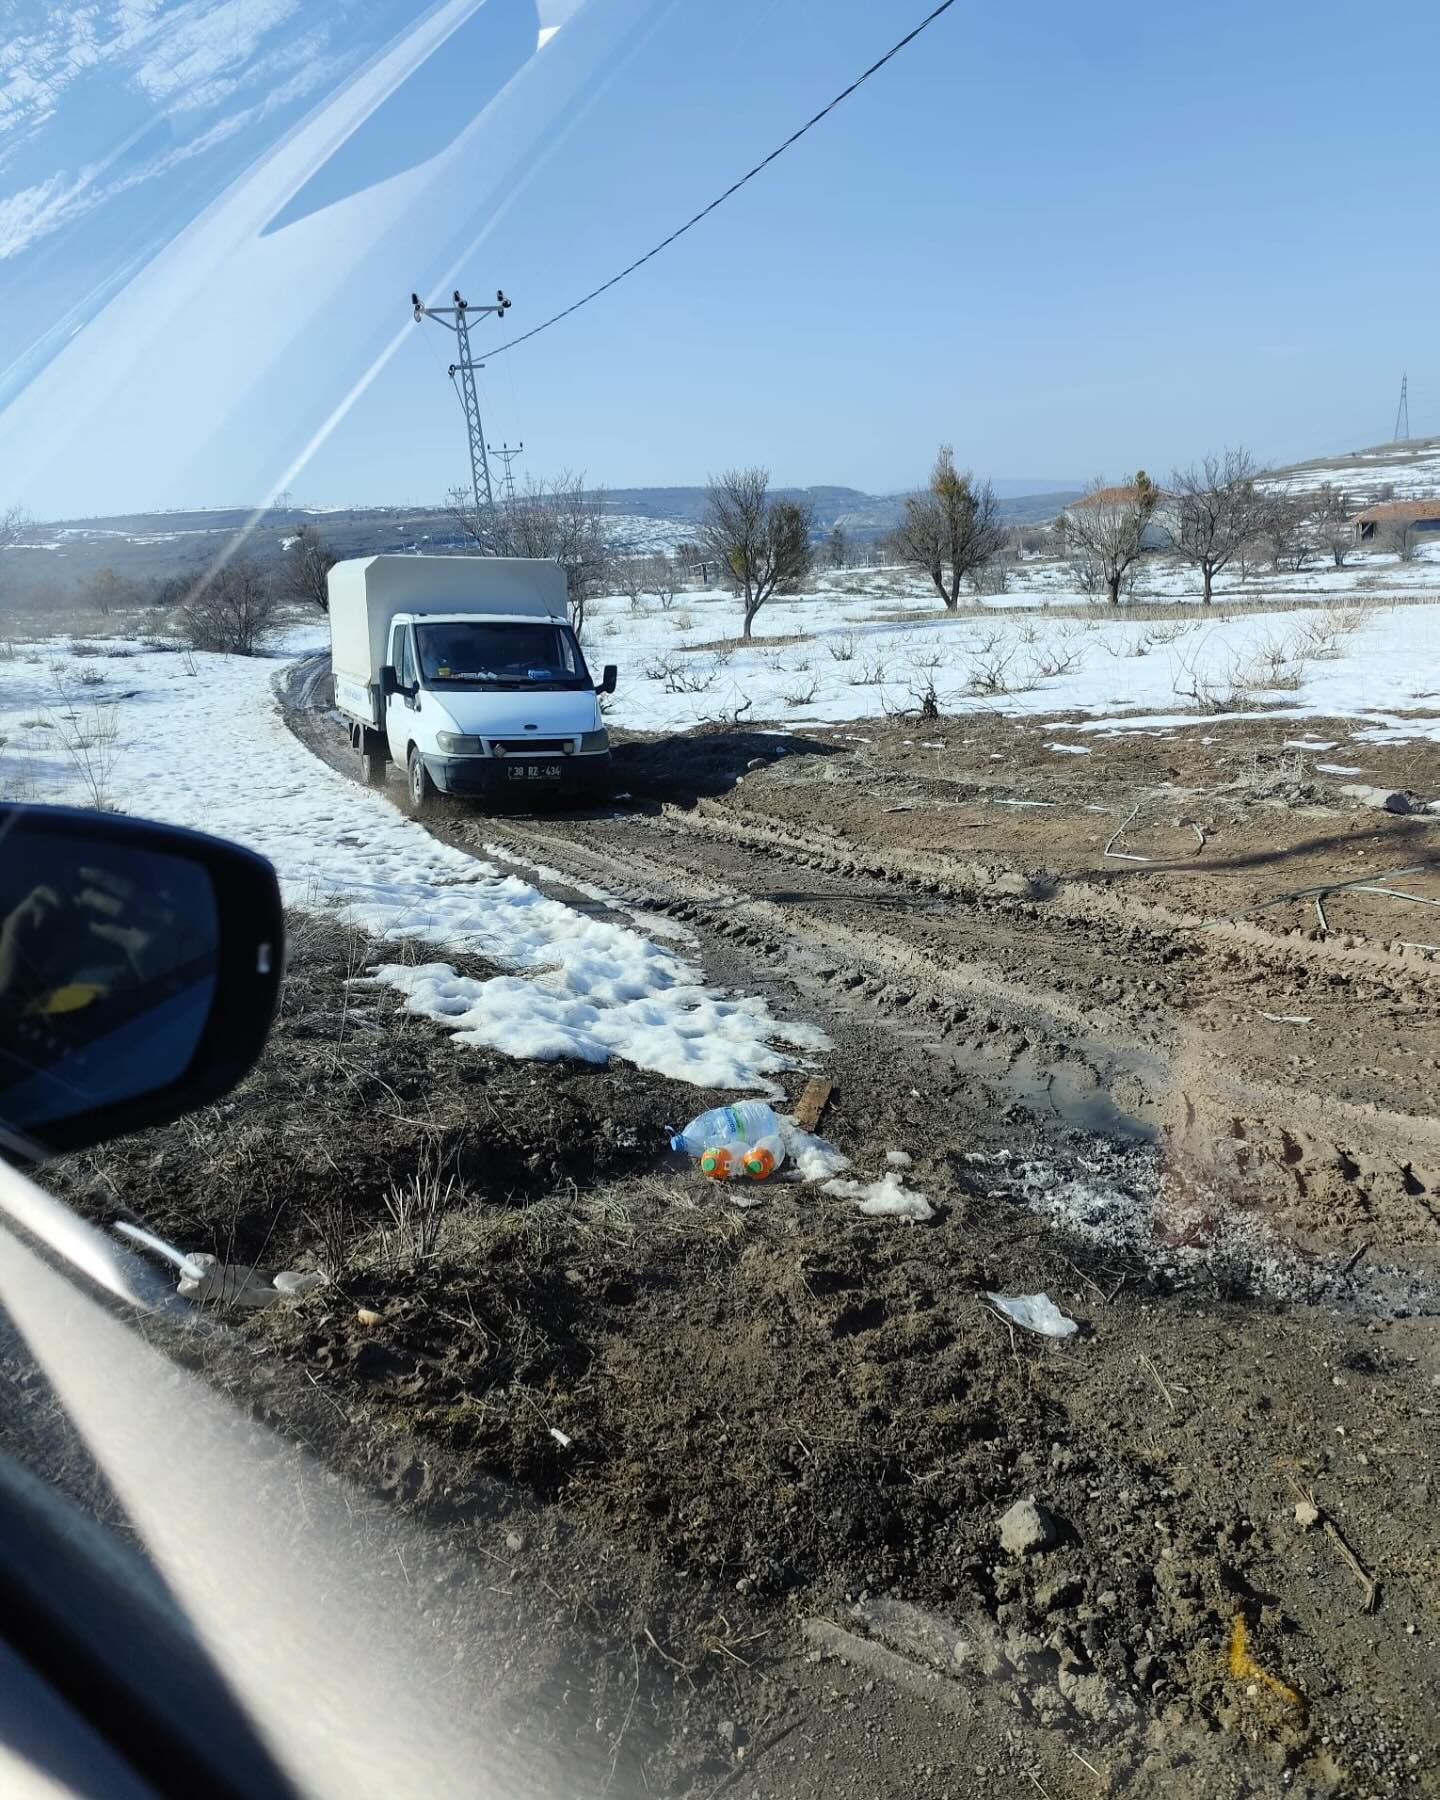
x=1068, y=240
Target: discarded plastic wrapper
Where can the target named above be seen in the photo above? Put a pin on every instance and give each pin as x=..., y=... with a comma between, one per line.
x=237, y=1284
x=203, y=1277
x=1036, y=1312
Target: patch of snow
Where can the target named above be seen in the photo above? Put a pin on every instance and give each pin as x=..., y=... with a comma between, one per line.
x=1070, y=749
x=813, y=1158
x=1310, y=744
x=618, y=998
x=1383, y=631
x=899, y=1159
x=1336, y=769
x=214, y=753
x=887, y=1198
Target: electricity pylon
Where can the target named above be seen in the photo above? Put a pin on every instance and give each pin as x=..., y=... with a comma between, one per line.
x=456, y=318
x=507, y=455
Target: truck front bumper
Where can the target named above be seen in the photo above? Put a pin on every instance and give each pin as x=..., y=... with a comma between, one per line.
x=522, y=776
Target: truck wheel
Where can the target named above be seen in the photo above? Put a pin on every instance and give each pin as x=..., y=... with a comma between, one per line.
x=372, y=764
x=422, y=788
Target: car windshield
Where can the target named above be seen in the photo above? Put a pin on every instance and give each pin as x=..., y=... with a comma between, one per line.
x=526, y=653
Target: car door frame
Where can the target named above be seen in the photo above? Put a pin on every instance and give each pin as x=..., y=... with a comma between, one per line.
x=399, y=725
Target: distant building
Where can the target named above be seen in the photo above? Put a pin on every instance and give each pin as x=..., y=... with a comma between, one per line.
x=1423, y=515
x=1157, y=533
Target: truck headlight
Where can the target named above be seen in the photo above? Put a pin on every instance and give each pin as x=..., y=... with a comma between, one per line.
x=592, y=743
x=455, y=743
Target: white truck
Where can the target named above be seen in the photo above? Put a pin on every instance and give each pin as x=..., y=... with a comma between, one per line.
x=465, y=672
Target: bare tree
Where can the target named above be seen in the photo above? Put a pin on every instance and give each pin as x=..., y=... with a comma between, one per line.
x=1215, y=512
x=661, y=580
x=628, y=577
x=1333, y=523
x=559, y=520
x=951, y=530
x=837, y=548
x=15, y=523
x=308, y=563
x=1280, y=526
x=764, y=543
x=110, y=589
x=1400, y=537
x=231, y=611
x=1107, y=525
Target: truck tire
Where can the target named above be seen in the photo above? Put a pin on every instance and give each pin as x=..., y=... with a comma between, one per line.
x=372, y=764
x=422, y=788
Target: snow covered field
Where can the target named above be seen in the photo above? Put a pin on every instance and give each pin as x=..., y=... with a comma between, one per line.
x=1354, y=641
x=1411, y=469
x=199, y=741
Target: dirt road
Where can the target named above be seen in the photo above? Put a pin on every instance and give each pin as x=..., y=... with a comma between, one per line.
x=773, y=1532
x=948, y=896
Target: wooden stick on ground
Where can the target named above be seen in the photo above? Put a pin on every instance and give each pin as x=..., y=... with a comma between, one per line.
x=1159, y=1382
x=1310, y=893
x=1118, y=833
x=814, y=1098
x=1369, y=1586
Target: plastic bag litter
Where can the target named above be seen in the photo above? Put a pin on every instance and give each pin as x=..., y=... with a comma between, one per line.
x=1036, y=1312
x=203, y=1277
x=237, y=1284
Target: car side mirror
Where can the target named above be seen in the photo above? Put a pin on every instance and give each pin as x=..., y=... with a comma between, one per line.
x=606, y=683
x=139, y=971
x=388, y=682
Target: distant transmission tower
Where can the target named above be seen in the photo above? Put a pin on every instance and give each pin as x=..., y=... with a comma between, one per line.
x=456, y=318
x=1402, y=413
x=507, y=456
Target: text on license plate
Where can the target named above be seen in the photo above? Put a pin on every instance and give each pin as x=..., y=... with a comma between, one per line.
x=533, y=771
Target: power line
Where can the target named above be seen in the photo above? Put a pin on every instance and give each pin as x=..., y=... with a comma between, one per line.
x=735, y=186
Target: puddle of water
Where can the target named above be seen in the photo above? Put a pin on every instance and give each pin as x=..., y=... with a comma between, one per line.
x=1066, y=1093
x=1061, y=1091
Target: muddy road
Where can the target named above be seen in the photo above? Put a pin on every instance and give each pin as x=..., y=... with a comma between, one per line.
x=767, y=1558
x=945, y=909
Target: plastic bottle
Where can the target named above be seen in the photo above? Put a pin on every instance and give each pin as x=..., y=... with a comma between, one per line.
x=727, y=1140
x=763, y=1158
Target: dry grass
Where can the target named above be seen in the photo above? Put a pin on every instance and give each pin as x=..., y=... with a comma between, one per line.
x=416, y=1207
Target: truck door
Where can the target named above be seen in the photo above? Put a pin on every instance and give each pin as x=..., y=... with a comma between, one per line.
x=402, y=705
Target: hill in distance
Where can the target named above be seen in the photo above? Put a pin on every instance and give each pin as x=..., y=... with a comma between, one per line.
x=860, y=514
x=1408, y=470
x=166, y=545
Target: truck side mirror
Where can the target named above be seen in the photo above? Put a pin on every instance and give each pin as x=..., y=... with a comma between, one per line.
x=606, y=683
x=388, y=684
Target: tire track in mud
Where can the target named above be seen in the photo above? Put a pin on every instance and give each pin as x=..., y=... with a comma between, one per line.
x=918, y=970
x=1030, y=1015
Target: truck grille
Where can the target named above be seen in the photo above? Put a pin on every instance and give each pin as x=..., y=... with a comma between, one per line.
x=536, y=746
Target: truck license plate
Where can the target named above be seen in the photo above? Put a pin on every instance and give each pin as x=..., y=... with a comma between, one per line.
x=533, y=771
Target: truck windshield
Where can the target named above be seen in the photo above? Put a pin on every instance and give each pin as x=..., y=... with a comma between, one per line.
x=502, y=653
